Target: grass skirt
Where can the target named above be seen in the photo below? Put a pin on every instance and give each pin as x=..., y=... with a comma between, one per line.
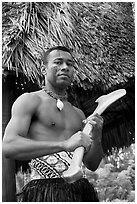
x=57, y=190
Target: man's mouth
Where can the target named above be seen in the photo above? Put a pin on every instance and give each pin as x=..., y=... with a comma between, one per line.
x=64, y=75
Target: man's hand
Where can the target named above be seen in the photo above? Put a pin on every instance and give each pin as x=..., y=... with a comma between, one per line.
x=85, y=140
x=97, y=123
x=77, y=140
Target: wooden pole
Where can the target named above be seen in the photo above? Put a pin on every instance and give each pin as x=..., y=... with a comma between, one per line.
x=8, y=165
x=8, y=180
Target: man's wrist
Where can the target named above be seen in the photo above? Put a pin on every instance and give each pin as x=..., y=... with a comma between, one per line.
x=63, y=145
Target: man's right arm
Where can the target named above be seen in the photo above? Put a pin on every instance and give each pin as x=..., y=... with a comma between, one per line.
x=15, y=142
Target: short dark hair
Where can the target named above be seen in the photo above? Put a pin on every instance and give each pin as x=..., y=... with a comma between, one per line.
x=46, y=53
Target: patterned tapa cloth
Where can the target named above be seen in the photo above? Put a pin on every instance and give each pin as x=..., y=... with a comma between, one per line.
x=47, y=185
x=50, y=166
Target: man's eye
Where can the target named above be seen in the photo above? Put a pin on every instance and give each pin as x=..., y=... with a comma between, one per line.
x=70, y=64
x=58, y=62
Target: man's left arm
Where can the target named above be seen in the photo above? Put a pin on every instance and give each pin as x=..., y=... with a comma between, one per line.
x=93, y=156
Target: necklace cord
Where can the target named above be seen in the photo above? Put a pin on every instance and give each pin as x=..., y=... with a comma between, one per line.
x=55, y=96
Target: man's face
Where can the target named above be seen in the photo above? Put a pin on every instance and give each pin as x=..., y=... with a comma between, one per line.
x=60, y=68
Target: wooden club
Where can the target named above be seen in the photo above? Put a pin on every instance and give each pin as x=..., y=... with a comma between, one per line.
x=74, y=171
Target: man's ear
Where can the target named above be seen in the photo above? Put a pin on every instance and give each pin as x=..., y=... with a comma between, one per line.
x=43, y=69
x=74, y=76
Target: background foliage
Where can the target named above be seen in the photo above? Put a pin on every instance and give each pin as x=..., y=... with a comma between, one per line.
x=115, y=178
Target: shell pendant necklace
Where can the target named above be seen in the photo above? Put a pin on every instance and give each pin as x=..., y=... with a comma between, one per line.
x=59, y=98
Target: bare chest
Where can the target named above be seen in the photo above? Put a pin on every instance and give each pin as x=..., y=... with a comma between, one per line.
x=49, y=116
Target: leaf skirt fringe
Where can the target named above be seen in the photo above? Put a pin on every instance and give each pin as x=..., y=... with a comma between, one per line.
x=57, y=190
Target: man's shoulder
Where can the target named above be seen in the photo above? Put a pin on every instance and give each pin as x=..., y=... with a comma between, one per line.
x=29, y=97
x=80, y=112
x=27, y=100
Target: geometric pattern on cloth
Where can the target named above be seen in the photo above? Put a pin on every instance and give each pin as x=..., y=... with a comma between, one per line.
x=50, y=166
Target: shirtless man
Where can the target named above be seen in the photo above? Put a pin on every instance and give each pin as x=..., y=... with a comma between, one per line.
x=41, y=132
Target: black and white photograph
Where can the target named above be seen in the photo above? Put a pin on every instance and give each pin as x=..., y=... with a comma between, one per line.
x=68, y=101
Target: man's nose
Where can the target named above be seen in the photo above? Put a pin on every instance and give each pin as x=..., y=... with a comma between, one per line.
x=65, y=67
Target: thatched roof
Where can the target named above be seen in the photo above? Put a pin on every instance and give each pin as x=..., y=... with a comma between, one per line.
x=101, y=35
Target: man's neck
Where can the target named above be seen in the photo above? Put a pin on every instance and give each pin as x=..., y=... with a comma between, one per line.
x=57, y=90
